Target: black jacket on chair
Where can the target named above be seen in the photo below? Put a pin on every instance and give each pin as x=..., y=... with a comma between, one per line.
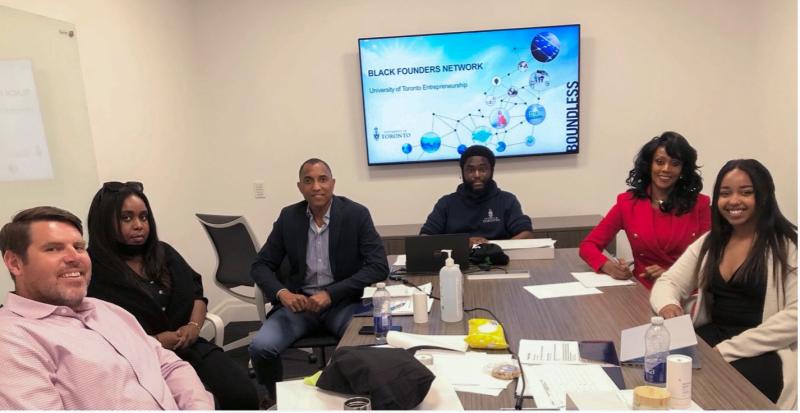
x=357, y=257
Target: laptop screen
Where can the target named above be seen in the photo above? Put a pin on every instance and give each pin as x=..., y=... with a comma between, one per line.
x=423, y=252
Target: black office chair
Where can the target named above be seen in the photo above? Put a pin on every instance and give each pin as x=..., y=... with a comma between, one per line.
x=236, y=248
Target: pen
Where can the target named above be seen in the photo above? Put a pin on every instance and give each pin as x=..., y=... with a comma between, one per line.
x=396, y=306
x=627, y=264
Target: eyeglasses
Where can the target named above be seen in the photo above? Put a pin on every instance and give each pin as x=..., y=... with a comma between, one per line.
x=114, y=186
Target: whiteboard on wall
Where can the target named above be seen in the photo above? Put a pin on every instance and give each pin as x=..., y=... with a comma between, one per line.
x=23, y=147
x=44, y=126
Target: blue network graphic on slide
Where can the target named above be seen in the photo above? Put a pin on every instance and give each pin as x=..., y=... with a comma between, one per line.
x=428, y=98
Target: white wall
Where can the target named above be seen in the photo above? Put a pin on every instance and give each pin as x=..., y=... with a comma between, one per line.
x=200, y=98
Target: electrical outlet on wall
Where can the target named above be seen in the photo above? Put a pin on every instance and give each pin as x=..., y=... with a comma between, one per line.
x=258, y=190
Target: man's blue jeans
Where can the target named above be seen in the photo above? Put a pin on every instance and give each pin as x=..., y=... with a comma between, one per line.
x=283, y=327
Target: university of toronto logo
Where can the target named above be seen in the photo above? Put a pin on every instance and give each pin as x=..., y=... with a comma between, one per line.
x=490, y=217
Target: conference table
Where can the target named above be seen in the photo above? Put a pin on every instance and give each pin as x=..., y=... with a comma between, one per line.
x=716, y=385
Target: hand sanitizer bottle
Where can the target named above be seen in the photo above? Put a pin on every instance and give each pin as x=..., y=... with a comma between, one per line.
x=451, y=290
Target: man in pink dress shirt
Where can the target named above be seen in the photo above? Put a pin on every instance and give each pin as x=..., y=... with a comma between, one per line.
x=61, y=350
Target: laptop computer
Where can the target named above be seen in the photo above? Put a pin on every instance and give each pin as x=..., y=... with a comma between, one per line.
x=423, y=252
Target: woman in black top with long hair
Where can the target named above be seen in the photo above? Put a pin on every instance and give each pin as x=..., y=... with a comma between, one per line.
x=147, y=277
x=745, y=271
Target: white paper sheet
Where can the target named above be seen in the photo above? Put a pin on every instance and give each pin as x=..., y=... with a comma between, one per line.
x=296, y=395
x=560, y=290
x=549, y=352
x=593, y=279
x=408, y=340
x=549, y=383
x=512, y=244
x=681, y=334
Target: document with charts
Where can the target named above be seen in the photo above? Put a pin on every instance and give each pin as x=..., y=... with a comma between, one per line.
x=549, y=352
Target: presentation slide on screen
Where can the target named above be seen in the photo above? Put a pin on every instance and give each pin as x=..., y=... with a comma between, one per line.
x=429, y=97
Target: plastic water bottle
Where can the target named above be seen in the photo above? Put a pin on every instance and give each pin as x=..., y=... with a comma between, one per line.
x=381, y=313
x=656, y=350
x=451, y=288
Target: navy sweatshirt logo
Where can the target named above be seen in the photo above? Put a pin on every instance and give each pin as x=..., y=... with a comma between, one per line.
x=490, y=217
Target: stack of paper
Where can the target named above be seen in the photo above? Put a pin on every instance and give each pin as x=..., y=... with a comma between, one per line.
x=560, y=290
x=549, y=383
x=593, y=279
x=496, y=275
x=527, y=249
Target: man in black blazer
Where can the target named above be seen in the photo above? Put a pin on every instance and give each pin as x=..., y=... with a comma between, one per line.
x=333, y=252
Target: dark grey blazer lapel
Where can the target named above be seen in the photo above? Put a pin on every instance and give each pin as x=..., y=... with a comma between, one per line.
x=336, y=231
x=302, y=243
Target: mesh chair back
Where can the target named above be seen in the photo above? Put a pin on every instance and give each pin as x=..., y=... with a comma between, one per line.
x=235, y=246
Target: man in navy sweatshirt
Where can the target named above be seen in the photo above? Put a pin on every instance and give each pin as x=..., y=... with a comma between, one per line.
x=478, y=207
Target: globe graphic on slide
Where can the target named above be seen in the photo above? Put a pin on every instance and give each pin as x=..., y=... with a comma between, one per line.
x=481, y=134
x=430, y=142
x=461, y=149
x=499, y=119
x=501, y=146
x=545, y=47
x=539, y=80
x=535, y=114
x=407, y=148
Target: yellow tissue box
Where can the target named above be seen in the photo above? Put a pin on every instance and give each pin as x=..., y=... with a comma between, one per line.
x=484, y=333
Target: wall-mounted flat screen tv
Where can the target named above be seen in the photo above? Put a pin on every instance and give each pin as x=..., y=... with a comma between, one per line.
x=429, y=97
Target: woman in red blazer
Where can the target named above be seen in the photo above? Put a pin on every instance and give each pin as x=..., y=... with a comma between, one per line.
x=661, y=213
